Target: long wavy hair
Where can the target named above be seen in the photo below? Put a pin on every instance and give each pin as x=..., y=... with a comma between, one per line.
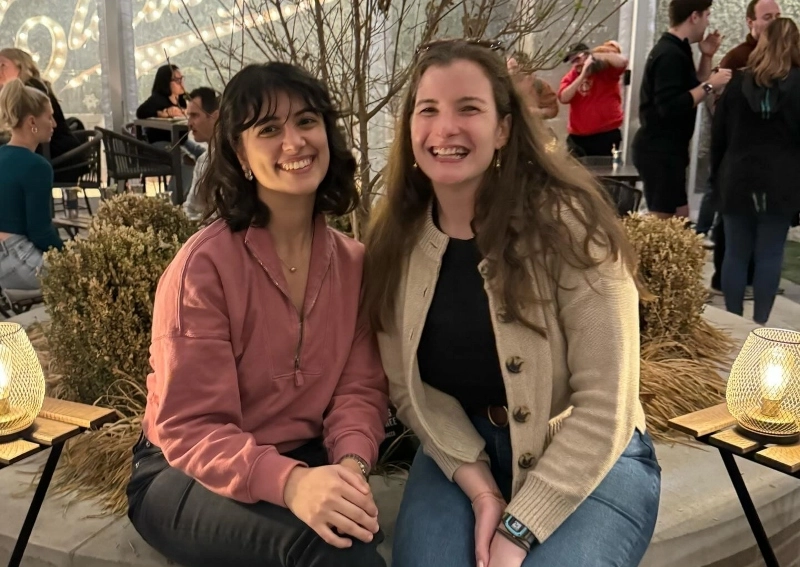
x=777, y=52
x=248, y=98
x=518, y=208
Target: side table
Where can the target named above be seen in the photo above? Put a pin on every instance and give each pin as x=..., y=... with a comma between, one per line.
x=58, y=421
x=715, y=427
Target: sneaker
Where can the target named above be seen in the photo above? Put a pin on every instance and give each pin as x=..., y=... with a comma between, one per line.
x=714, y=291
x=708, y=244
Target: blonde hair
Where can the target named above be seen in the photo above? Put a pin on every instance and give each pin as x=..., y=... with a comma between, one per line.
x=777, y=52
x=26, y=65
x=18, y=101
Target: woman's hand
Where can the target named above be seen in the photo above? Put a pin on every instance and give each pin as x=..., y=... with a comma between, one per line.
x=332, y=497
x=505, y=553
x=488, y=508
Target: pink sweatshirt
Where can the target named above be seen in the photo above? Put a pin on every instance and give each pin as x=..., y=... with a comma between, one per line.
x=238, y=379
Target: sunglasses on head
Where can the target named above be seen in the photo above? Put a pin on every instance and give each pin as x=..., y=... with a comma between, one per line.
x=493, y=44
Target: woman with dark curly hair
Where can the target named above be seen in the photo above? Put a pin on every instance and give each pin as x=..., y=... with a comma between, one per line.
x=267, y=399
x=504, y=290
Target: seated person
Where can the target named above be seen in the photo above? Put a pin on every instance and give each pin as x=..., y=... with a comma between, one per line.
x=167, y=100
x=26, y=185
x=267, y=399
x=18, y=64
x=202, y=110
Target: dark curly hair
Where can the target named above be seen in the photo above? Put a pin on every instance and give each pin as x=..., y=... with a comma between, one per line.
x=250, y=95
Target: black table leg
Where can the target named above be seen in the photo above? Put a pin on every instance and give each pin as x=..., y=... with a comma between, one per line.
x=36, y=505
x=749, y=509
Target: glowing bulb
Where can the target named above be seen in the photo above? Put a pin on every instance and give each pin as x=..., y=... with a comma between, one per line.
x=23, y=36
x=220, y=30
x=87, y=33
x=59, y=60
x=156, y=14
x=95, y=19
x=151, y=51
x=36, y=58
x=774, y=382
x=98, y=71
x=82, y=10
x=60, y=45
x=74, y=83
x=78, y=26
x=178, y=43
x=205, y=34
x=146, y=65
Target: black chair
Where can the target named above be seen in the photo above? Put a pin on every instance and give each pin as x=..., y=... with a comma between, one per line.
x=84, y=160
x=16, y=301
x=624, y=197
x=128, y=158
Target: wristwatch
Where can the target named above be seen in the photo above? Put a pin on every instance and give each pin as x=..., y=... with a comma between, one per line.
x=708, y=88
x=516, y=531
x=362, y=464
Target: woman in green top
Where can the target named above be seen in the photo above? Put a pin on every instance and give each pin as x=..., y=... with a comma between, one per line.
x=26, y=185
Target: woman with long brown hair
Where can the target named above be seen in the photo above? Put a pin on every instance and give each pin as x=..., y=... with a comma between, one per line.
x=755, y=150
x=503, y=289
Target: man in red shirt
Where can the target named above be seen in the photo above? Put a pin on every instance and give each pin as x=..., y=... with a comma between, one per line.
x=593, y=91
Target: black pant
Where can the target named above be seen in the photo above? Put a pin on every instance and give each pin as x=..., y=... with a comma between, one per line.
x=195, y=527
x=718, y=236
x=599, y=144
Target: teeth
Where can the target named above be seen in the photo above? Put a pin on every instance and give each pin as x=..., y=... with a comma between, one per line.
x=450, y=151
x=295, y=165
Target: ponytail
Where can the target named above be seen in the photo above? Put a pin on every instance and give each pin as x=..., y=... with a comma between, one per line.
x=18, y=101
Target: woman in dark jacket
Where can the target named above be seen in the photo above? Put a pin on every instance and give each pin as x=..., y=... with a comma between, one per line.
x=166, y=101
x=18, y=64
x=756, y=165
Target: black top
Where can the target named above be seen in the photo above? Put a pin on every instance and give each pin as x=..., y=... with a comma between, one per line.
x=666, y=108
x=150, y=109
x=457, y=353
x=755, y=145
x=63, y=140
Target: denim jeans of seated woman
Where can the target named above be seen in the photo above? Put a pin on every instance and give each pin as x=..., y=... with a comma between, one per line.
x=20, y=263
x=762, y=237
x=611, y=528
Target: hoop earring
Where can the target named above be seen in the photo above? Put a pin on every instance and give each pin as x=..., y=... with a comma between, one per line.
x=35, y=129
x=248, y=174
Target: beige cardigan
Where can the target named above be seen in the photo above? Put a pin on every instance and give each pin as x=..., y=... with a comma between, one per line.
x=573, y=398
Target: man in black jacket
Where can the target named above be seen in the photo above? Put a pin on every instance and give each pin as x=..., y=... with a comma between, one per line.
x=671, y=90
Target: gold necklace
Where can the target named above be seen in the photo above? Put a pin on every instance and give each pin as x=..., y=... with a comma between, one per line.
x=293, y=269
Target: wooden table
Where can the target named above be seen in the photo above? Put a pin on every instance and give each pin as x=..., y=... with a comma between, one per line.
x=178, y=128
x=626, y=172
x=715, y=427
x=58, y=421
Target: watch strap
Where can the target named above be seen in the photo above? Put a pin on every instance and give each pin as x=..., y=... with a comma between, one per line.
x=516, y=531
x=362, y=464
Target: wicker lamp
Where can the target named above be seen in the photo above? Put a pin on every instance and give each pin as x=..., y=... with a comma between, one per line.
x=764, y=386
x=21, y=380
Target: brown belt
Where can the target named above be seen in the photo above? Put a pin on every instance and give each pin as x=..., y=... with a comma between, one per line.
x=497, y=415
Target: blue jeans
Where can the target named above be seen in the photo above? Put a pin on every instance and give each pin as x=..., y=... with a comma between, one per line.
x=20, y=263
x=611, y=528
x=761, y=236
x=708, y=210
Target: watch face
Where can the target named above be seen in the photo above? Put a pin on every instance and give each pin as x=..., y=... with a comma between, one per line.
x=516, y=527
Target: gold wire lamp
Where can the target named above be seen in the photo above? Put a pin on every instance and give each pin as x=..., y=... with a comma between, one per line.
x=21, y=380
x=764, y=386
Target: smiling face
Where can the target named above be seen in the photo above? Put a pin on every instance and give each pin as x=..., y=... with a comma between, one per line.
x=287, y=149
x=455, y=127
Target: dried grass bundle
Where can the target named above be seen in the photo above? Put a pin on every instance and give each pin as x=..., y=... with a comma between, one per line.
x=681, y=351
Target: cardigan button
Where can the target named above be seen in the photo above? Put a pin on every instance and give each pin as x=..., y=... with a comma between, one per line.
x=514, y=364
x=521, y=414
x=526, y=461
x=484, y=270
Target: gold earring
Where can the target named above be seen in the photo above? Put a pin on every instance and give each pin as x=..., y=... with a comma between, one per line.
x=35, y=130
